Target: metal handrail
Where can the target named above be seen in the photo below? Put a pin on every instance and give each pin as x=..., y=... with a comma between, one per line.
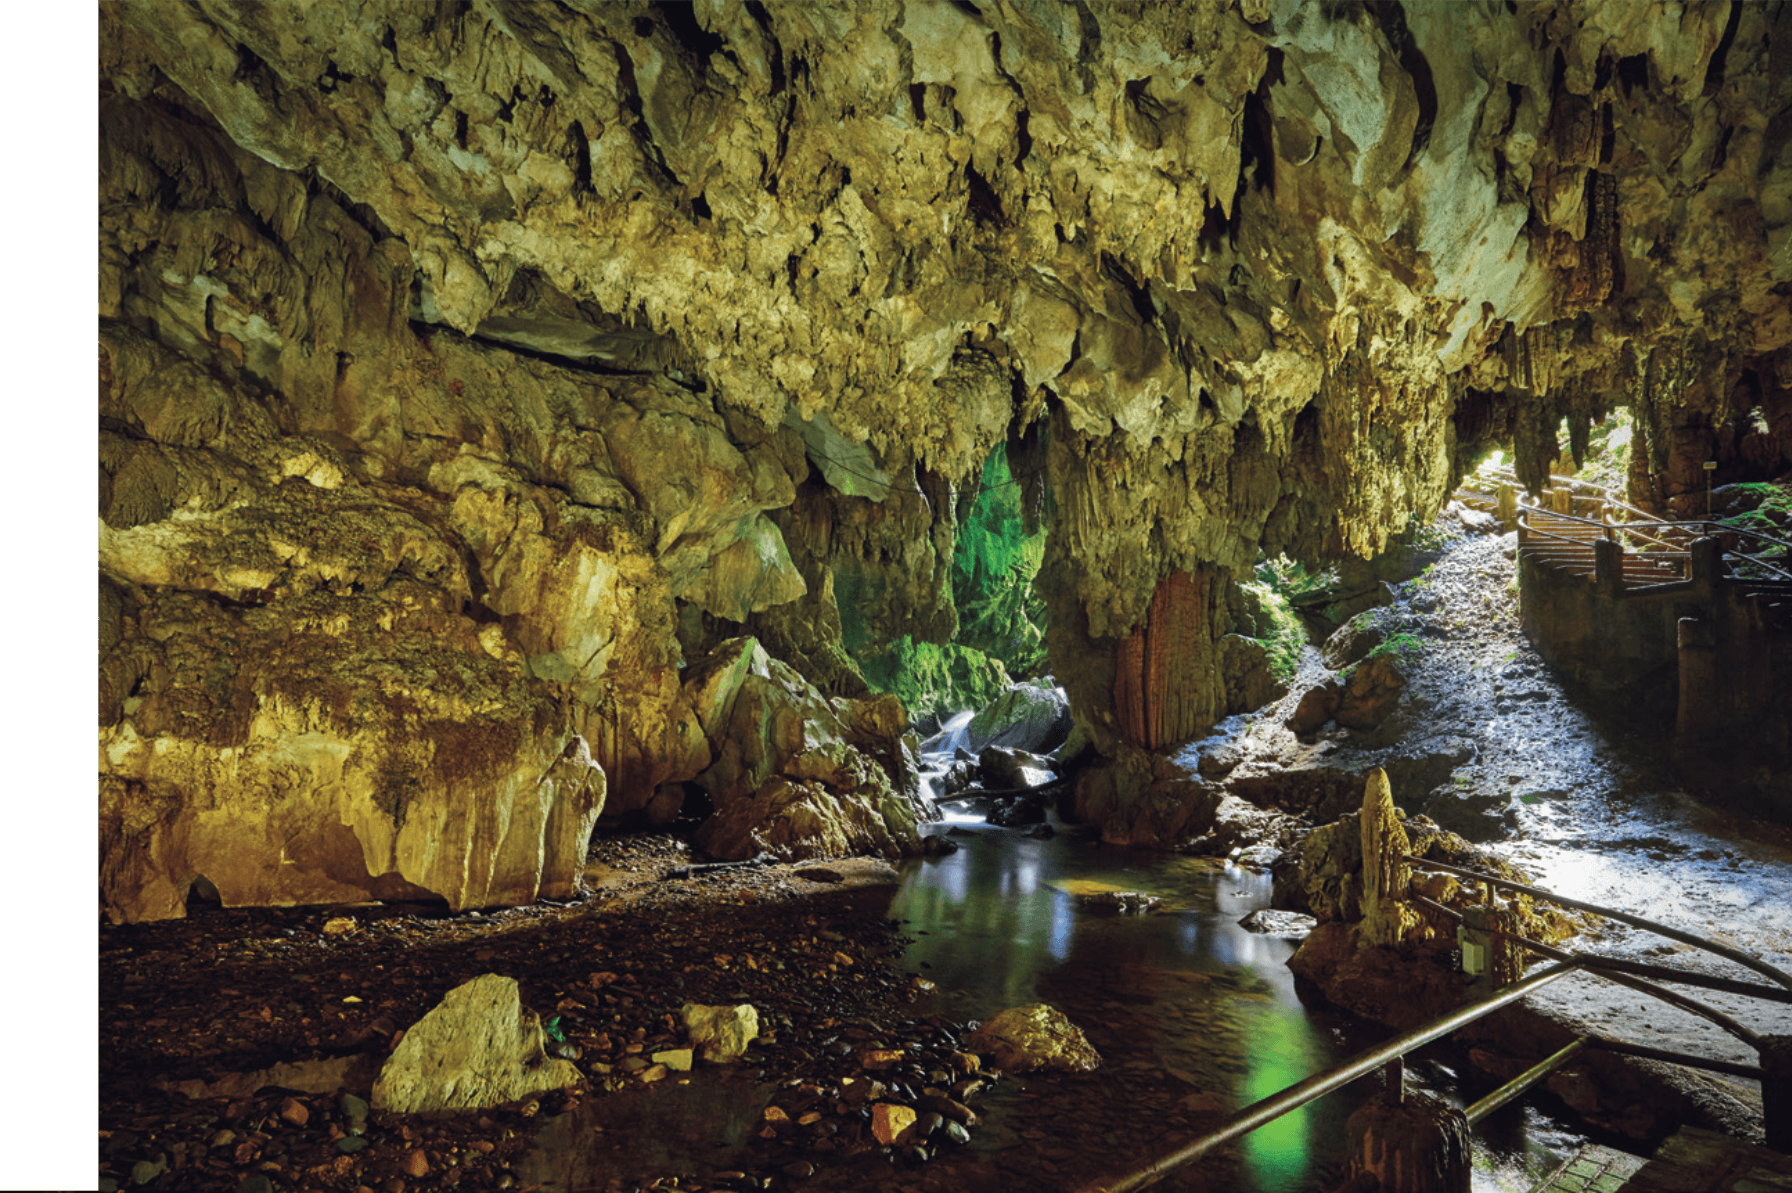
x=1267, y=1110
x=1260, y=1113
x=1505, y=475
x=1626, y=527
x=1690, y=1005
x=1635, y=921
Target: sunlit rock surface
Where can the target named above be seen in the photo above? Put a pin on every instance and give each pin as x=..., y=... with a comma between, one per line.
x=590, y=336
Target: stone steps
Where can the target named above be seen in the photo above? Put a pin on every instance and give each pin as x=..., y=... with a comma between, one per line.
x=1593, y=1169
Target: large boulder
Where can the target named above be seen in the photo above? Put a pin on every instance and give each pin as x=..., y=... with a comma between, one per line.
x=479, y=1047
x=1028, y=716
x=1145, y=799
x=793, y=772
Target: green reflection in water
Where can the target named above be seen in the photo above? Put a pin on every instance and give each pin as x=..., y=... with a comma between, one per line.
x=1281, y=1053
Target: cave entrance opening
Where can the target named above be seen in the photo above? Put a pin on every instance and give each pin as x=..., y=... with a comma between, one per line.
x=1000, y=638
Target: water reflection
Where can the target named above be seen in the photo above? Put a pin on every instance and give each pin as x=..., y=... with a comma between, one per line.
x=1179, y=1000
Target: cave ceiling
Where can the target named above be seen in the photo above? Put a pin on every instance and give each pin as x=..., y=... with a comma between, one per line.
x=589, y=326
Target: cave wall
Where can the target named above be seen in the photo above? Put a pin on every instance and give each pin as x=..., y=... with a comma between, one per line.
x=479, y=365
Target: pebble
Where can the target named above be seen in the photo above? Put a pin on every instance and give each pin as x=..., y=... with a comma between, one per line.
x=417, y=1164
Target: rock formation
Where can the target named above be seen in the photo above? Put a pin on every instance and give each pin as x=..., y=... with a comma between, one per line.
x=465, y=371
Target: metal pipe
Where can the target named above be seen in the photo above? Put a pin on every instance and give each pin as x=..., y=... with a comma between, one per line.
x=1531, y=1076
x=1257, y=1114
x=1636, y=921
x=1674, y=1058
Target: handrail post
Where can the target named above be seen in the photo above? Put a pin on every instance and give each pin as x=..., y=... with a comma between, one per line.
x=1608, y=567
x=1776, y=1091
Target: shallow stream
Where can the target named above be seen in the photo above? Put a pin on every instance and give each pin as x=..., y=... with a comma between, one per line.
x=1194, y=1016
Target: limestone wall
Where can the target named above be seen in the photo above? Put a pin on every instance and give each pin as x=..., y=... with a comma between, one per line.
x=560, y=343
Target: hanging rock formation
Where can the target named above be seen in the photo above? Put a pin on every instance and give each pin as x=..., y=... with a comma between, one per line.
x=529, y=351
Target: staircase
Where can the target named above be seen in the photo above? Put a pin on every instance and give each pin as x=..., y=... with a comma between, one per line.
x=1561, y=528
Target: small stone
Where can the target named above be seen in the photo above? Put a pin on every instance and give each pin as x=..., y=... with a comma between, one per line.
x=145, y=1171
x=799, y=1170
x=889, y=1120
x=354, y=1109
x=340, y=926
x=957, y=1133
x=295, y=1112
x=653, y=1073
x=416, y=1164
x=877, y=1059
x=966, y=1062
x=775, y=1114
x=348, y=1145
x=676, y=1059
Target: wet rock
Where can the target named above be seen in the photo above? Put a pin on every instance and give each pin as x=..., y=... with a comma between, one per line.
x=1288, y=925
x=1472, y=811
x=1145, y=799
x=1220, y=760
x=677, y=1060
x=1255, y=857
x=479, y=1047
x=889, y=1120
x=938, y=845
x=1354, y=639
x=720, y=1033
x=1005, y=768
x=1034, y=1037
x=1421, y=767
x=1028, y=716
x=1125, y=902
x=1013, y=813
x=1317, y=705
x=1373, y=691
x=795, y=773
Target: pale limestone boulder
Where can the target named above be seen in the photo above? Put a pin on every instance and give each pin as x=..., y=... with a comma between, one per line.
x=720, y=1034
x=1037, y=1036
x=479, y=1047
